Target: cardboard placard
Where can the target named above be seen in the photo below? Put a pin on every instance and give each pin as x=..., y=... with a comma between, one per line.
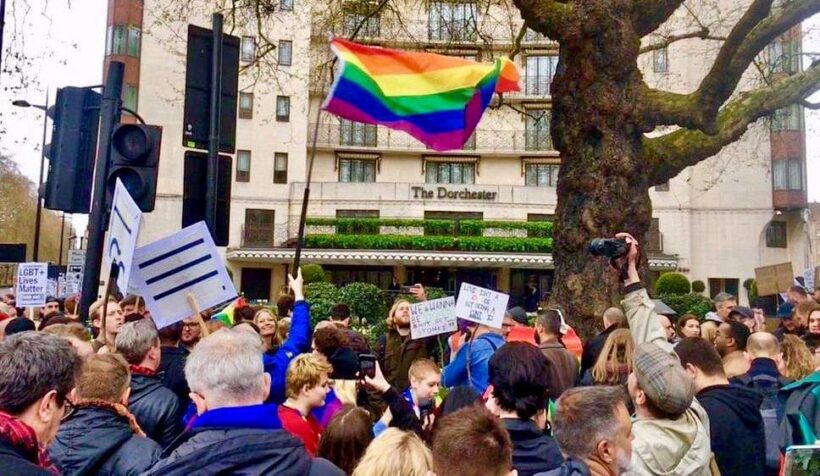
x=434, y=317
x=123, y=230
x=482, y=306
x=774, y=279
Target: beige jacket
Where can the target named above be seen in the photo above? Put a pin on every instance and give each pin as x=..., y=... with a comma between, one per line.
x=677, y=447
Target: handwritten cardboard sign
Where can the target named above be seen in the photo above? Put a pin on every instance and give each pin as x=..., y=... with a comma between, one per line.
x=434, y=317
x=774, y=279
x=482, y=306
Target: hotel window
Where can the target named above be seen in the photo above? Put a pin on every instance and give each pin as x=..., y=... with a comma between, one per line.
x=537, y=130
x=286, y=5
x=788, y=174
x=540, y=71
x=787, y=119
x=357, y=170
x=784, y=56
x=541, y=175
x=285, y=52
x=280, y=167
x=283, y=108
x=452, y=21
x=776, y=235
x=247, y=51
x=369, y=27
x=243, y=165
x=451, y=172
x=260, y=226
x=129, y=96
x=357, y=133
x=134, y=35
x=119, y=39
x=246, y=105
x=660, y=60
x=723, y=285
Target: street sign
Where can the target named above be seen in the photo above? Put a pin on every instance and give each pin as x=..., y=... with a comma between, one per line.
x=32, y=284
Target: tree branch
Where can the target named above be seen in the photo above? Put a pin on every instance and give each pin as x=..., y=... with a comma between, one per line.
x=517, y=41
x=750, y=36
x=648, y=15
x=667, y=155
x=703, y=34
x=550, y=17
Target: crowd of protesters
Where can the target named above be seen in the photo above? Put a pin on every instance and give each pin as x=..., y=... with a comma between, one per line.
x=268, y=394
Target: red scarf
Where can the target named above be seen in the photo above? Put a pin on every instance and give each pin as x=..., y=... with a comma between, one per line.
x=24, y=441
x=137, y=370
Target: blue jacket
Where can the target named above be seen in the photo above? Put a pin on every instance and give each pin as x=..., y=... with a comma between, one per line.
x=480, y=350
x=298, y=342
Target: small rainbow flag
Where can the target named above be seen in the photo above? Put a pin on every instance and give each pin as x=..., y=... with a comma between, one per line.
x=435, y=98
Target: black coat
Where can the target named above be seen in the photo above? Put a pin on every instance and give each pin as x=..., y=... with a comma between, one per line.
x=736, y=429
x=593, y=349
x=98, y=441
x=156, y=409
x=242, y=451
x=172, y=373
x=533, y=451
x=13, y=463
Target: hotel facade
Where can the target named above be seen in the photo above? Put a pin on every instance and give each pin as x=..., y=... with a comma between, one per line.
x=382, y=205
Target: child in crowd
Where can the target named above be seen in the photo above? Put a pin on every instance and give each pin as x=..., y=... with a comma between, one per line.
x=308, y=383
x=425, y=378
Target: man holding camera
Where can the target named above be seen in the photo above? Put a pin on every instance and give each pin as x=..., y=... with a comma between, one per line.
x=671, y=433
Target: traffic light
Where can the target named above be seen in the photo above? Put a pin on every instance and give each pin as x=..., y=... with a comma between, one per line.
x=76, y=117
x=194, y=185
x=135, y=152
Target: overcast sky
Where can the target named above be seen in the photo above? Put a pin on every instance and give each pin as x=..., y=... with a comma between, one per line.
x=67, y=43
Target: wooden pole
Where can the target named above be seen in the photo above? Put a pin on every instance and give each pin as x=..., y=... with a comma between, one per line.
x=198, y=315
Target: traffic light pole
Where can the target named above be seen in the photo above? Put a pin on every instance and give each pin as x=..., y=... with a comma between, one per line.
x=36, y=253
x=213, y=133
x=109, y=117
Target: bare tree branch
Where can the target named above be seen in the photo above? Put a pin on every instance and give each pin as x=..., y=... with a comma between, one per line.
x=648, y=15
x=703, y=34
x=549, y=17
x=517, y=41
x=667, y=155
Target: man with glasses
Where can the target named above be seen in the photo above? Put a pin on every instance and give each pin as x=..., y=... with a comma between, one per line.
x=37, y=372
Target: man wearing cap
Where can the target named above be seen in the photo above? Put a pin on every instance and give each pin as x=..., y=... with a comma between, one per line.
x=745, y=316
x=788, y=323
x=671, y=432
x=514, y=317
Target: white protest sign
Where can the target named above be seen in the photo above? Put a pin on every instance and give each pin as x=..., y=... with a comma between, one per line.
x=166, y=271
x=52, y=287
x=76, y=257
x=429, y=318
x=481, y=306
x=808, y=278
x=32, y=284
x=123, y=229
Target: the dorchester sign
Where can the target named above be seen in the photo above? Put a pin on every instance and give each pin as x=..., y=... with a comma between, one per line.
x=444, y=193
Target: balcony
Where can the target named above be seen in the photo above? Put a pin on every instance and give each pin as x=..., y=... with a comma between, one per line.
x=267, y=236
x=511, y=142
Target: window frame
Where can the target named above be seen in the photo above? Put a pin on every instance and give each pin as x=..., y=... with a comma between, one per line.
x=243, y=175
x=246, y=56
x=777, y=234
x=358, y=134
x=245, y=112
x=537, y=136
x=286, y=116
x=286, y=5
x=551, y=177
x=660, y=60
x=539, y=87
x=452, y=21
x=280, y=49
x=787, y=175
x=280, y=176
x=266, y=215
x=348, y=166
x=436, y=169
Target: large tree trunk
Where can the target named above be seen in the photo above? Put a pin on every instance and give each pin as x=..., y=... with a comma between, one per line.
x=602, y=185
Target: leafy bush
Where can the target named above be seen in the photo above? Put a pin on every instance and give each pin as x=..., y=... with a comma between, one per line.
x=432, y=227
x=432, y=293
x=314, y=273
x=672, y=283
x=691, y=303
x=698, y=286
x=366, y=302
x=400, y=242
x=751, y=288
x=321, y=297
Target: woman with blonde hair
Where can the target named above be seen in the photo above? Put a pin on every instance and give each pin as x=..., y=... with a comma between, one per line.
x=797, y=362
x=615, y=362
x=266, y=322
x=397, y=453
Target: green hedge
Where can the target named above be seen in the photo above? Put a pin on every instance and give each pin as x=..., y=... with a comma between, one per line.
x=314, y=273
x=321, y=297
x=401, y=242
x=672, y=283
x=692, y=303
x=535, y=229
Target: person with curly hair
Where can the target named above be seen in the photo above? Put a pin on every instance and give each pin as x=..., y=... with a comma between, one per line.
x=797, y=361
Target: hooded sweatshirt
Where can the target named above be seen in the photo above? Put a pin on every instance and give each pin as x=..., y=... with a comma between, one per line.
x=736, y=429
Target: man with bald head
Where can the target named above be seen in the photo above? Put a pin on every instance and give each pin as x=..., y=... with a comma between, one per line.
x=763, y=352
x=613, y=319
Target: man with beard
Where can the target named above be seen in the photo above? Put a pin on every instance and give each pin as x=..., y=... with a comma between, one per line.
x=730, y=343
x=396, y=350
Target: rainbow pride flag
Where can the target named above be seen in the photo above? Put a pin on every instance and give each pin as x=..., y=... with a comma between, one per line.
x=435, y=98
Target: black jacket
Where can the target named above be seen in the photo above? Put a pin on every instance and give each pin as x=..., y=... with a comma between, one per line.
x=593, y=349
x=98, y=441
x=172, y=373
x=13, y=463
x=736, y=429
x=242, y=451
x=156, y=409
x=533, y=451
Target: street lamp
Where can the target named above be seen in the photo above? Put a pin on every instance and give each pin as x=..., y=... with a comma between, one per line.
x=24, y=103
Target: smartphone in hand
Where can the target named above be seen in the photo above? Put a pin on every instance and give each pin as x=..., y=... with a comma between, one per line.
x=367, y=365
